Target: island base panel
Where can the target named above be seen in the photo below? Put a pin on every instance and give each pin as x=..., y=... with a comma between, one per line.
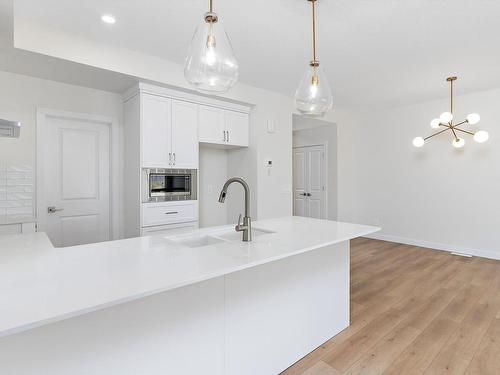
x=256, y=321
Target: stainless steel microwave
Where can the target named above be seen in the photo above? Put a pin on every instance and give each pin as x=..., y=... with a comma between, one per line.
x=159, y=184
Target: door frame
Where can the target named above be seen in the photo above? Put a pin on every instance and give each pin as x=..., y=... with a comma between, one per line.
x=325, y=172
x=114, y=166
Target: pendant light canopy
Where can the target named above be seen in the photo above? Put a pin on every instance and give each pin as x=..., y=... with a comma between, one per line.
x=210, y=65
x=313, y=96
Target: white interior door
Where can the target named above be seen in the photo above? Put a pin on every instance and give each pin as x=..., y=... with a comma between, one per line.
x=309, y=182
x=184, y=135
x=299, y=182
x=75, y=179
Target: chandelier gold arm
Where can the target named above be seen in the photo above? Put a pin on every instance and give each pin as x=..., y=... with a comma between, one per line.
x=464, y=131
x=439, y=132
x=460, y=123
x=454, y=134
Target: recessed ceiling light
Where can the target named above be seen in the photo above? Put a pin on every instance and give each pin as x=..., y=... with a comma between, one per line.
x=108, y=19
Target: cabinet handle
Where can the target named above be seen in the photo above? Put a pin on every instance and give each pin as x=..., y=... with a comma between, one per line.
x=224, y=132
x=171, y=212
x=169, y=158
x=228, y=135
x=174, y=158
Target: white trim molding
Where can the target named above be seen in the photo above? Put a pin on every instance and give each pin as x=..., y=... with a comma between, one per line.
x=114, y=157
x=180, y=94
x=437, y=246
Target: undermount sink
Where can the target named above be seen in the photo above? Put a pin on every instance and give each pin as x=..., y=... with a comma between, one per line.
x=232, y=235
x=228, y=235
x=198, y=241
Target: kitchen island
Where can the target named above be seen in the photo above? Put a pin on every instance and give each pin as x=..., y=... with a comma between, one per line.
x=203, y=302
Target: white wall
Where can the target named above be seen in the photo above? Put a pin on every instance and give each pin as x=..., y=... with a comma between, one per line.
x=435, y=196
x=21, y=95
x=213, y=174
x=325, y=133
x=271, y=195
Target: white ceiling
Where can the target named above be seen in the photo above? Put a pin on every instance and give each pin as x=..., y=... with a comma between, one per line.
x=376, y=53
x=46, y=67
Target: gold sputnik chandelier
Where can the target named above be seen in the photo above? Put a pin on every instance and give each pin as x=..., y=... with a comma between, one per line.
x=445, y=123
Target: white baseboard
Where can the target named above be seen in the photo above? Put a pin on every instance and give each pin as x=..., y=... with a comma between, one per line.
x=436, y=246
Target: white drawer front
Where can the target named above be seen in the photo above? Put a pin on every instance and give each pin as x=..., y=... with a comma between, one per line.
x=157, y=214
x=170, y=229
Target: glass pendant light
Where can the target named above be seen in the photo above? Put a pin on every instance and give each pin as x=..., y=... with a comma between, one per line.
x=313, y=96
x=211, y=66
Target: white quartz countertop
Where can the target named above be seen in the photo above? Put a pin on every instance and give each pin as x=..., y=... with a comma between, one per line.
x=40, y=284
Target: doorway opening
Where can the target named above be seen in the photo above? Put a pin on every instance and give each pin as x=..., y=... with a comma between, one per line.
x=314, y=168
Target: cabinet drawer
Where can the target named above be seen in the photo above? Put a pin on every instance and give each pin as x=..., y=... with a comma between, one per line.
x=165, y=213
x=170, y=229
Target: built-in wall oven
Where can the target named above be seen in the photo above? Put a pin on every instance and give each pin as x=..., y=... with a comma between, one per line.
x=160, y=184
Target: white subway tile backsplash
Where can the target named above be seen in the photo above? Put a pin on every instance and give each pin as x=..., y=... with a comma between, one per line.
x=9, y=204
x=16, y=190
x=19, y=211
x=18, y=196
x=19, y=168
x=23, y=183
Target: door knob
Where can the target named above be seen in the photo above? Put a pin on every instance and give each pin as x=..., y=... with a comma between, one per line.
x=53, y=209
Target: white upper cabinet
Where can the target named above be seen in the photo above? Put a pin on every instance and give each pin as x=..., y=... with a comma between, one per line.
x=211, y=127
x=223, y=127
x=156, y=124
x=236, y=124
x=184, y=135
x=169, y=133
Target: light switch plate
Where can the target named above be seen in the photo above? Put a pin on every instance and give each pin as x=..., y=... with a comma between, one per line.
x=270, y=126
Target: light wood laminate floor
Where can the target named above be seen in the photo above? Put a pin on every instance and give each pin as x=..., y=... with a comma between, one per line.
x=414, y=311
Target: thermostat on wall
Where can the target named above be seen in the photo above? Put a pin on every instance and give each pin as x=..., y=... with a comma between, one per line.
x=268, y=164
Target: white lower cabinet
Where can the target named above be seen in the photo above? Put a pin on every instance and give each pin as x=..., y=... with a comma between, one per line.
x=169, y=213
x=170, y=229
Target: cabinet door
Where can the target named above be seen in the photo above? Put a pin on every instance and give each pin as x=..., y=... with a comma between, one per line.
x=211, y=128
x=170, y=230
x=156, y=131
x=184, y=135
x=237, y=127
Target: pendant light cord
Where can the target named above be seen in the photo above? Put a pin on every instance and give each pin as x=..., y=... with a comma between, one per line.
x=211, y=8
x=313, y=2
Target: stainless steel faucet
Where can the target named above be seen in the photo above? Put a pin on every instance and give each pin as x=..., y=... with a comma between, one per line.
x=246, y=226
